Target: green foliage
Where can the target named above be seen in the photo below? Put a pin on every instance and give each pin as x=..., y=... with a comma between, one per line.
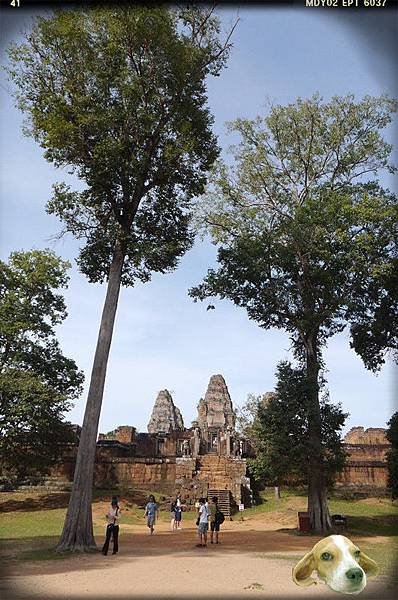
x=118, y=96
x=37, y=382
x=31, y=422
x=392, y=431
x=307, y=242
x=279, y=431
x=392, y=456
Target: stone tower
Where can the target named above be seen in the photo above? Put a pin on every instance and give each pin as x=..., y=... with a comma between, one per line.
x=165, y=417
x=215, y=409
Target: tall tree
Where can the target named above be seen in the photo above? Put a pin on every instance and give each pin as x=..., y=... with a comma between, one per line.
x=37, y=382
x=392, y=455
x=119, y=96
x=308, y=239
x=278, y=431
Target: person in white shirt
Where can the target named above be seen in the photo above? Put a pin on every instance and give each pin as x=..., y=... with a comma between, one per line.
x=112, y=530
x=203, y=520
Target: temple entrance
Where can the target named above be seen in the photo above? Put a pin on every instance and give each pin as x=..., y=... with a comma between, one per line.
x=213, y=443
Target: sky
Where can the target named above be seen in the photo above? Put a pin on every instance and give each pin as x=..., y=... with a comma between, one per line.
x=162, y=339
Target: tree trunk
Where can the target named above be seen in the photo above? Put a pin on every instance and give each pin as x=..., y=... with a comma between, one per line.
x=317, y=492
x=78, y=532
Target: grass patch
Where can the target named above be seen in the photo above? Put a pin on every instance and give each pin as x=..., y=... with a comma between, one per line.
x=35, y=524
x=373, y=507
x=372, y=516
x=268, y=504
x=32, y=524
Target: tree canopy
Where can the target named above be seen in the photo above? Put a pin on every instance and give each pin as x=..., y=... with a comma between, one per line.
x=278, y=431
x=307, y=237
x=118, y=96
x=37, y=382
x=307, y=242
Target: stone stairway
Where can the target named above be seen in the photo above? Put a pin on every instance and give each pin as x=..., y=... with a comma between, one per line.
x=224, y=500
x=215, y=470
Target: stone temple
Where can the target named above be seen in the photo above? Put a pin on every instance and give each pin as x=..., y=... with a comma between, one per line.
x=205, y=459
x=208, y=458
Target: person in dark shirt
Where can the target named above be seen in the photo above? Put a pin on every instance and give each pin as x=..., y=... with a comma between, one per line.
x=214, y=524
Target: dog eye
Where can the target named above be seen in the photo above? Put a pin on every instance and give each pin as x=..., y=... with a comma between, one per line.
x=326, y=556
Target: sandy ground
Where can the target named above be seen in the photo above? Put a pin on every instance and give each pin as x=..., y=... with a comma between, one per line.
x=247, y=563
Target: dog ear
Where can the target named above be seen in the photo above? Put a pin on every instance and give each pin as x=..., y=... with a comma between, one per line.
x=302, y=571
x=370, y=567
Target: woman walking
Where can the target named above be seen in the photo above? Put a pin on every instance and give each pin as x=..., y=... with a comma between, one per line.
x=112, y=530
x=151, y=513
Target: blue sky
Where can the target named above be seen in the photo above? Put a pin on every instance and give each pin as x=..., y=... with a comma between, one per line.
x=162, y=339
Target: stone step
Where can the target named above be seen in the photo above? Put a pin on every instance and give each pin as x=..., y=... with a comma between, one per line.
x=224, y=499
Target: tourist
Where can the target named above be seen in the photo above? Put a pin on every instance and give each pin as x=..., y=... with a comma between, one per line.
x=112, y=529
x=151, y=513
x=173, y=509
x=178, y=514
x=214, y=521
x=202, y=522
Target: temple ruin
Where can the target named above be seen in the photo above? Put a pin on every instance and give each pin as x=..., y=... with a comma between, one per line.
x=209, y=458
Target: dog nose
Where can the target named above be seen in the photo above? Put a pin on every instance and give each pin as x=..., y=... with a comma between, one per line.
x=354, y=574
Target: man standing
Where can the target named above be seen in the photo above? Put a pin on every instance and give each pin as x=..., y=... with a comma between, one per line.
x=151, y=513
x=203, y=520
x=214, y=521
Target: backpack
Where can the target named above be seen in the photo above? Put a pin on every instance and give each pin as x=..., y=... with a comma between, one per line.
x=219, y=517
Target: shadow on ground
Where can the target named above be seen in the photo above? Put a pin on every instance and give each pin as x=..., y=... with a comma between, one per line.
x=61, y=500
x=385, y=525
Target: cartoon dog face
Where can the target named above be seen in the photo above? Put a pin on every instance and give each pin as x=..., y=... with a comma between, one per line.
x=339, y=563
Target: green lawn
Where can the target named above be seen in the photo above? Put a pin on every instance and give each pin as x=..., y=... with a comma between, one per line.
x=374, y=516
x=31, y=524
x=268, y=503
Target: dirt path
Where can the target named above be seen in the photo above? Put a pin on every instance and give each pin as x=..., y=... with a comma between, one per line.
x=247, y=563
